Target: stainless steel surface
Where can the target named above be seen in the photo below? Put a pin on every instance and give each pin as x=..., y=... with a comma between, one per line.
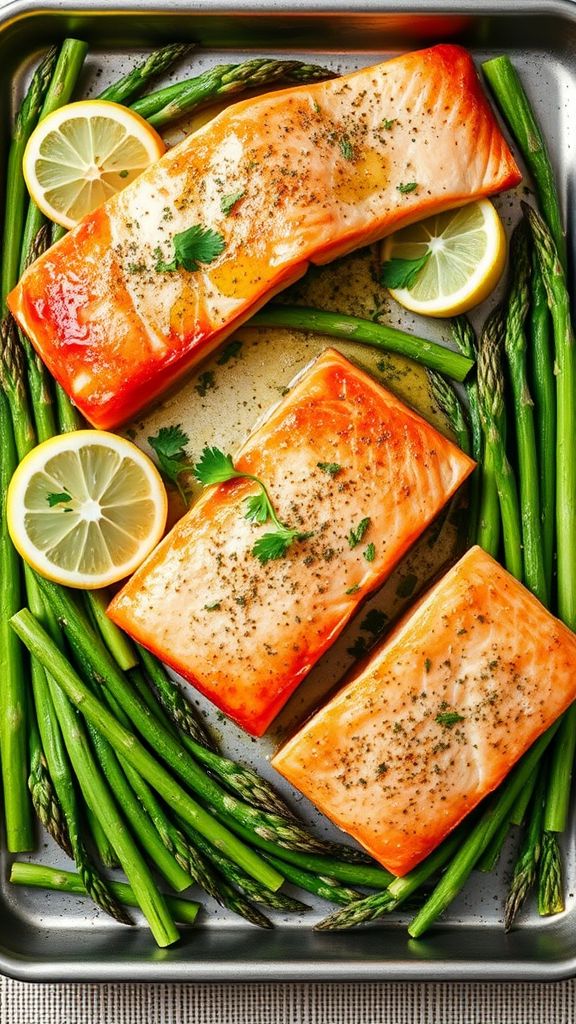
x=44, y=936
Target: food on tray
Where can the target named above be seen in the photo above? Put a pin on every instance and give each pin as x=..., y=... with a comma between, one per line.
x=86, y=508
x=441, y=712
x=82, y=154
x=446, y=264
x=153, y=280
x=342, y=460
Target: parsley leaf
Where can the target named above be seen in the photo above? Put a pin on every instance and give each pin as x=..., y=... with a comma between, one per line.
x=449, y=718
x=231, y=350
x=389, y=123
x=346, y=148
x=214, y=467
x=356, y=533
x=257, y=508
x=206, y=383
x=227, y=203
x=399, y=273
x=192, y=247
x=369, y=552
x=332, y=468
x=405, y=188
x=170, y=447
x=62, y=498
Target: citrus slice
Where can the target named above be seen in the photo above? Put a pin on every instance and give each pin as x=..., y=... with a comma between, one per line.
x=464, y=253
x=85, y=509
x=82, y=154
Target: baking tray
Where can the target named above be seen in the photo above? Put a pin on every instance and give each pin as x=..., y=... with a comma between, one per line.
x=46, y=936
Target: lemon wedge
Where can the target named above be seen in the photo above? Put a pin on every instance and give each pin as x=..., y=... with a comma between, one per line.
x=461, y=253
x=85, y=509
x=82, y=154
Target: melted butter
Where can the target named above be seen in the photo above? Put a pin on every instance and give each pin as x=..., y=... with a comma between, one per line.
x=369, y=175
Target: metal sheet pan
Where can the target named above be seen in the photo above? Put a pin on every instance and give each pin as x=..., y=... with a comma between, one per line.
x=45, y=936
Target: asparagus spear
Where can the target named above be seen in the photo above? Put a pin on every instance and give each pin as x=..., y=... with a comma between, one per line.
x=515, y=106
x=473, y=847
x=171, y=103
x=13, y=725
x=352, y=328
x=565, y=371
x=39, y=380
x=177, y=708
x=26, y=120
x=42, y=877
x=120, y=647
x=103, y=845
x=448, y=402
x=515, y=347
x=483, y=494
x=126, y=743
x=126, y=89
x=62, y=84
x=321, y=885
x=44, y=799
x=544, y=391
x=526, y=866
x=550, y=894
x=491, y=401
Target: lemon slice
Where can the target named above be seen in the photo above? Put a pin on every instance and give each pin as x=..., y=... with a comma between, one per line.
x=467, y=254
x=86, y=508
x=82, y=154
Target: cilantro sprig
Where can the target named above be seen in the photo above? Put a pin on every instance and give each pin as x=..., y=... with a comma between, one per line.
x=192, y=247
x=400, y=273
x=215, y=467
x=170, y=447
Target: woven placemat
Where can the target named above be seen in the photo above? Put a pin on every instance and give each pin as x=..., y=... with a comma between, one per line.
x=340, y=1003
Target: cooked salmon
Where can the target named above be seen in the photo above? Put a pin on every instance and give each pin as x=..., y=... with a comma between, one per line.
x=291, y=178
x=438, y=716
x=342, y=459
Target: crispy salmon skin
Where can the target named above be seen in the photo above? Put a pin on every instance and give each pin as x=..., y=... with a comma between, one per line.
x=291, y=178
x=440, y=714
x=342, y=458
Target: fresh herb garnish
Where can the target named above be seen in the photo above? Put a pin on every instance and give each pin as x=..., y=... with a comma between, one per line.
x=60, y=498
x=192, y=247
x=206, y=383
x=227, y=203
x=357, y=532
x=232, y=349
x=354, y=589
x=369, y=552
x=386, y=123
x=374, y=622
x=399, y=273
x=406, y=187
x=427, y=664
x=215, y=467
x=169, y=445
x=212, y=607
x=346, y=148
x=332, y=468
x=449, y=718
x=382, y=768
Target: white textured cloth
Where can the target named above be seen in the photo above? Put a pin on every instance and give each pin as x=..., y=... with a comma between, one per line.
x=338, y=1003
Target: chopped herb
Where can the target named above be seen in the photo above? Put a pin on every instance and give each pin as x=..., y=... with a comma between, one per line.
x=405, y=188
x=356, y=533
x=169, y=445
x=206, y=383
x=370, y=552
x=387, y=124
x=192, y=247
x=227, y=203
x=136, y=268
x=61, y=498
x=346, y=148
x=232, y=349
x=427, y=664
x=406, y=586
x=213, y=606
x=449, y=718
x=332, y=468
x=400, y=273
x=123, y=174
x=354, y=589
x=316, y=106
x=382, y=768
x=215, y=467
x=374, y=622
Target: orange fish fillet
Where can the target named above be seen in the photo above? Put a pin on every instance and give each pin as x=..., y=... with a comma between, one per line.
x=318, y=170
x=439, y=715
x=247, y=634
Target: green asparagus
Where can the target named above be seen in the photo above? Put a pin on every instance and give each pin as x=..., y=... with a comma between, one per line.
x=128, y=88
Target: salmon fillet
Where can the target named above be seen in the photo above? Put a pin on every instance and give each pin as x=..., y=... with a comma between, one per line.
x=439, y=715
x=338, y=451
x=317, y=171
